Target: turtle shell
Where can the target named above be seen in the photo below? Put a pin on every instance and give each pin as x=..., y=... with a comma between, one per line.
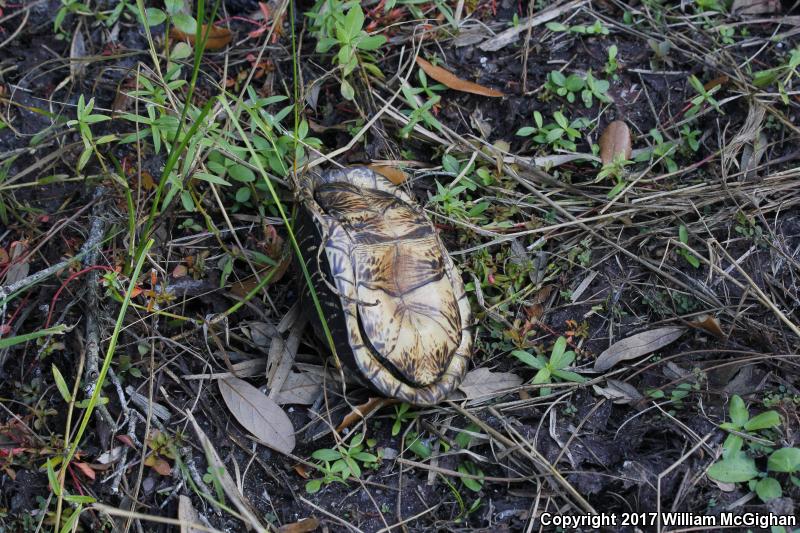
x=392, y=297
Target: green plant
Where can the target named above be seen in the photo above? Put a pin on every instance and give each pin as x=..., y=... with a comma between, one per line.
x=339, y=464
x=690, y=138
x=782, y=75
x=449, y=202
x=611, y=63
x=68, y=7
x=595, y=89
x=418, y=112
x=349, y=35
x=84, y=119
x=570, y=86
x=736, y=466
x=559, y=135
x=615, y=169
x=552, y=369
x=566, y=86
x=597, y=28
x=662, y=151
x=401, y=416
x=683, y=237
x=704, y=96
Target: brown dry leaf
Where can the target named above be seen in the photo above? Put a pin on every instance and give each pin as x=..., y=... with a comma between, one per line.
x=258, y=414
x=637, y=345
x=395, y=175
x=77, y=54
x=300, y=388
x=619, y=392
x=158, y=464
x=710, y=324
x=301, y=526
x=454, y=82
x=719, y=80
x=616, y=139
x=361, y=411
x=483, y=382
x=218, y=38
x=187, y=515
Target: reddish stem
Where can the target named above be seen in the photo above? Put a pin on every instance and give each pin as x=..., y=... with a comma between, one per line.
x=63, y=286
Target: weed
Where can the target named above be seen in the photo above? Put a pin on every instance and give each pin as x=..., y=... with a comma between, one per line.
x=611, y=63
x=597, y=28
x=347, y=32
x=559, y=135
x=552, y=369
x=84, y=119
x=341, y=463
x=739, y=466
x=401, y=416
x=704, y=96
x=683, y=237
x=782, y=75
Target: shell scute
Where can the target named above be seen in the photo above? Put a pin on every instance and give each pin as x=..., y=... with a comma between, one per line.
x=406, y=317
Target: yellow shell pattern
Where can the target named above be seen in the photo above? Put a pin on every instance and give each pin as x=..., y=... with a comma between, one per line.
x=402, y=299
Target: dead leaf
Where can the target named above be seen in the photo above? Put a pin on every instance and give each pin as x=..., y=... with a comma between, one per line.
x=111, y=456
x=159, y=464
x=454, y=82
x=77, y=53
x=710, y=324
x=218, y=38
x=619, y=392
x=85, y=469
x=300, y=388
x=395, y=175
x=187, y=515
x=749, y=8
x=301, y=526
x=258, y=414
x=484, y=382
x=361, y=411
x=616, y=140
x=637, y=345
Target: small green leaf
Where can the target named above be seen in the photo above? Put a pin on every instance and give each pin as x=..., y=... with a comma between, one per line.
x=738, y=412
x=784, y=460
x=528, y=359
x=313, y=486
x=348, y=93
x=556, y=26
x=768, y=489
x=326, y=454
x=557, y=354
x=185, y=22
x=55, y=487
x=732, y=446
x=526, y=131
x=61, y=384
x=767, y=419
x=542, y=376
x=353, y=21
x=736, y=469
x=241, y=173
x=155, y=16
x=683, y=234
x=373, y=42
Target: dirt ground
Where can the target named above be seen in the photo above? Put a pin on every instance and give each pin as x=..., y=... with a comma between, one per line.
x=685, y=241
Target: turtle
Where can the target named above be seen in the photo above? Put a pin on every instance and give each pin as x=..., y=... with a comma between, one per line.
x=392, y=297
